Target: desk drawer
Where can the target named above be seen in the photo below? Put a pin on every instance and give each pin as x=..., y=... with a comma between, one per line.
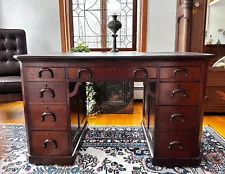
x=131, y=73
x=176, y=145
x=215, y=95
x=180, y=73
x=47, y=91
x=44, y=73
x=49, y=143
x=179, y=93
x=177, y=118
x=48, y=117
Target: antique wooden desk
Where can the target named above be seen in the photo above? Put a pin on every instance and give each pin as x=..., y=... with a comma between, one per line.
x=174, y=88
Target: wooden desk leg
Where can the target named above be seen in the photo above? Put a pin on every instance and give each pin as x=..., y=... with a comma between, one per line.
x=148, y=122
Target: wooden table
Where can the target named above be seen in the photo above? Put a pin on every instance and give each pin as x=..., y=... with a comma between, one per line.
x=54, y=94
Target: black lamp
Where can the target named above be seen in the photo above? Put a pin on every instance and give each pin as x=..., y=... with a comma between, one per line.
x=114, y=25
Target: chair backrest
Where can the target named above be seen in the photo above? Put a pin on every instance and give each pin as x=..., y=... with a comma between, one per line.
x=12, y=42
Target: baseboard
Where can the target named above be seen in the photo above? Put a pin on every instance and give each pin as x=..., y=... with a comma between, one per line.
x=138, y=92
x=138, y=88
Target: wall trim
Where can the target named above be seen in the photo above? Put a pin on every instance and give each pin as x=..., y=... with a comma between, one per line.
x=142, y=42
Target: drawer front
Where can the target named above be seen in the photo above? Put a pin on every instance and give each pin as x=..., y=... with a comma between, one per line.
x=131, y=73
x=48, y=117
x=179, y=93
x=177, y=118
x=47, y=91
x=215, y=95
x=49, y=143
x=176, y=145
x=45, y=73
x=180, y=73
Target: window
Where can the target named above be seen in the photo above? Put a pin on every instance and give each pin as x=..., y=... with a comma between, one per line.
x=67, y=27
x=89, y=19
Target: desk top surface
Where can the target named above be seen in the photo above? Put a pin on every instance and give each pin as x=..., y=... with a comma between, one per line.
x=123, y=55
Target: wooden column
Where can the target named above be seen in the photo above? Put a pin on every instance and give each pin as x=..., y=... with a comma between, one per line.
x=142, y=41
x=64, y=24
x=183, y=25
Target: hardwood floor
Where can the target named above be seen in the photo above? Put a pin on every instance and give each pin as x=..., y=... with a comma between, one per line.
x=13, y=113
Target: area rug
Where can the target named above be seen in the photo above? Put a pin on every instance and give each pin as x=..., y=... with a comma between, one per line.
x=116, y=150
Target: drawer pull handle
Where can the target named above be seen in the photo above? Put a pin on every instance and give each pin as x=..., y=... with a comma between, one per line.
x=45, y=69
x=177, y=115
x=179, y=90
x=48, y=114
x=175, y=143
x=82, y=70
x=180, y=69
x=140, y=69
x=47, y=90
x=50, y=141
x=206, y=97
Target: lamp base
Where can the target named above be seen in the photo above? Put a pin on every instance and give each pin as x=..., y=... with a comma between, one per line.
x=114, y=26
x=114, y=50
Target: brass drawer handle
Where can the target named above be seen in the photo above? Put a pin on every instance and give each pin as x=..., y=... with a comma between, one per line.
x=45, y=69
x=50, y=141
x=179, y=90
x=47, y=90
x=175, y=143
x=82, y=70
x=206, y=97
x=140, y=69
x=180, y=69
x=48, y=114
x=177, y=115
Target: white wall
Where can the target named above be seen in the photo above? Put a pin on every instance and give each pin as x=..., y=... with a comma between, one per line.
x=161, y=25
x=40, y=20
x=160, y=30
x=216, y=20
x=1, y=12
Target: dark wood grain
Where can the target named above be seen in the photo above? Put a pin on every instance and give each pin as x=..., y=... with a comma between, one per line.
x=165, y=75
x=131, y=73
x=177, y=118
x=190, y=26
x=42, y=73
x=192, y=33
x=180, y=73
x=57, y=88
x=190, y=95
x=48, y=117
x=183, y=25
x=215, y=87
x=186, y=145
x=39, y=137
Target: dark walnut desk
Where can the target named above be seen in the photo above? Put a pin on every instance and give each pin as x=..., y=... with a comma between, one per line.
x=54, y=95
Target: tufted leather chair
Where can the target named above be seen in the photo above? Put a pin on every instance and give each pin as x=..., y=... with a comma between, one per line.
x=12, y=41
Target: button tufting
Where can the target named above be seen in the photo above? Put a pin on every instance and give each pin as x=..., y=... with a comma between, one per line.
x=10, y=39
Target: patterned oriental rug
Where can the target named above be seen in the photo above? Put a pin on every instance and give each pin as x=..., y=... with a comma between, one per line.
x=116, y=150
